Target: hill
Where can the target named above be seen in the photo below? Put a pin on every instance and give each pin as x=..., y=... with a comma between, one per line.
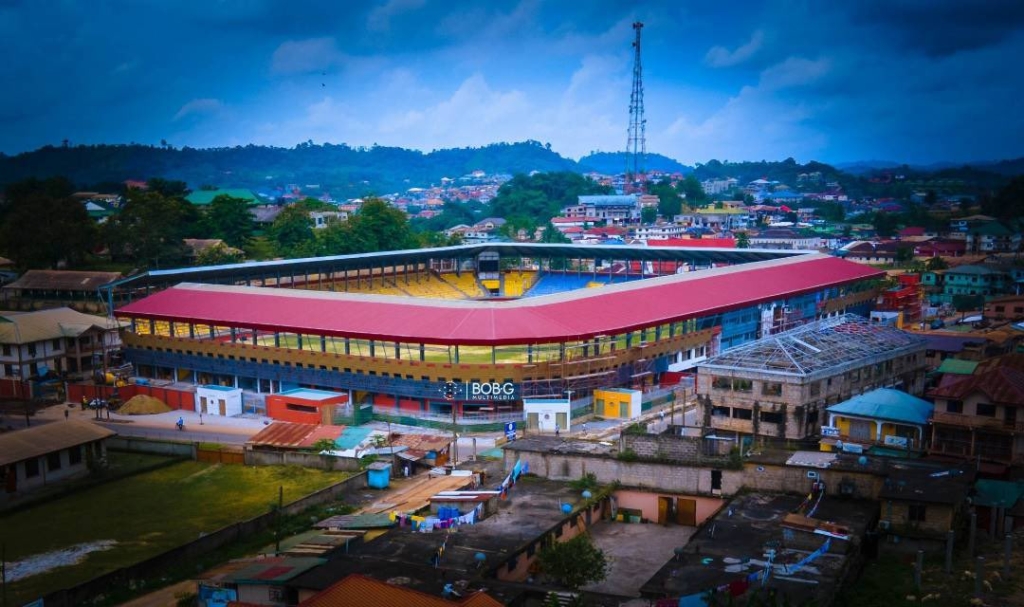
x=613, y=163
x=339, y=169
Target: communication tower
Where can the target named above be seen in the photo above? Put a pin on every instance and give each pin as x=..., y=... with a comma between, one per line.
x=636, y=144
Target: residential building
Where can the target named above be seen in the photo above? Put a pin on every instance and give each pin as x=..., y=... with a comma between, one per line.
x=719, y=186
x=60, y=340
x=979, y=416
x=779, y=386
x=785, y=239
x=972, y=280
x=992, y=237
x=1008, y=307
x=55, y=288
x=885, y=418
x=47, y=453
x=322, y=219
x=658, y=231
x=607, y=208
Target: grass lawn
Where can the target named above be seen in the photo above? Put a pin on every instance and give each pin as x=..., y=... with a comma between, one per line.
x=146, y=514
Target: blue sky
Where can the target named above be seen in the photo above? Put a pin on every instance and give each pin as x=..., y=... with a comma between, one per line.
x=910, y=80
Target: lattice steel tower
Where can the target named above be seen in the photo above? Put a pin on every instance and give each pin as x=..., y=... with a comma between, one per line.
x=636, y=144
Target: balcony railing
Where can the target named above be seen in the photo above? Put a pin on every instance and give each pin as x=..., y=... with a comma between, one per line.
x=976, y=421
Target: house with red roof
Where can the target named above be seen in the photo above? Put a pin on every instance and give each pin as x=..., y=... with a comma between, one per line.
x=982, y=415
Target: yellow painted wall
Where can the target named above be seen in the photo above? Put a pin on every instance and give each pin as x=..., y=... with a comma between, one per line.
x=611, y=401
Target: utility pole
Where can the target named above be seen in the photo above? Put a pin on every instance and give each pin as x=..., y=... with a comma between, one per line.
x=277, y=520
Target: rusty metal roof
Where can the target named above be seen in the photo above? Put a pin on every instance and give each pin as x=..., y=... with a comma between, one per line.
x=293, y=435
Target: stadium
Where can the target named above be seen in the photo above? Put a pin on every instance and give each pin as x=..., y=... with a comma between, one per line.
x=470, y=331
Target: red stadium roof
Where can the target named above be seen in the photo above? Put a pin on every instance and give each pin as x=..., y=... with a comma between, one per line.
x=548, y=319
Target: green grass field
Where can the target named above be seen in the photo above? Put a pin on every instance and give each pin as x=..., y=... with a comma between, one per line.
x=145, y=514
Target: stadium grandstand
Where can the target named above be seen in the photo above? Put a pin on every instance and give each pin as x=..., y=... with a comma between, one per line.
x=472, y=329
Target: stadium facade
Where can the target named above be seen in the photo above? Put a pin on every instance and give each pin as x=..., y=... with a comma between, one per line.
x=457, y=330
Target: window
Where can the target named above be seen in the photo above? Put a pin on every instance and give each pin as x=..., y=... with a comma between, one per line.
x=56, y=344
x=7, y=350
x=771, y=389
x=720, y=411
x=721, y=383
x=916, y=513
x=738, y=413
x=986, y=410
x=300, y=408
x=771, y=418
x=53, y=461
x=31, y=467
x=954, y=406
x=742, y=385
x=75, y=455
x=31, y=349
x=816, y=388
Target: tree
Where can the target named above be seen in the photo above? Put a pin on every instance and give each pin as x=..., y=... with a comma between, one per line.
x=1008, y=203
x=936, y=263
x=903, y=255
x=742, y=240
x=692, y=190
x=551, y=235
x=669, y=202
x=542, y=196
x=218, y=255
x=574, y=563
x=168, y=188
x=885, y=224
x=292, y=232
x=150, y=229
x=967, y=303
x=229, y=219
x=648, y=215
x=43, y=227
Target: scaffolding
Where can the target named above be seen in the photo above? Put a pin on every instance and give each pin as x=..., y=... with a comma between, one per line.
x=818, y=349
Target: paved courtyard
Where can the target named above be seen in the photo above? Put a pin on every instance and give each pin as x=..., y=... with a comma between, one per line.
x=634, y=550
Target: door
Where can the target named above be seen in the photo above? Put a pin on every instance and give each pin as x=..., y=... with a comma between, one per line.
x=532, y=420
x=716, y=482
x=562, y=419
x=664, y=507
x=686, y=512
x=202, y=404
x=624, y=410
x=223, y=406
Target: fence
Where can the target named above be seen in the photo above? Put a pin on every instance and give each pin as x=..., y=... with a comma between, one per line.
x=259, y=457
x=220, y=455
x=175, y=399
x=158, y=565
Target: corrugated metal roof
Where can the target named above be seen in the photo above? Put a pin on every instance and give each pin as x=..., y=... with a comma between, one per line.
x=63, y=280
x=36, y=441
x=1002, y=385
x=887, y=404
x=294, y=435
x=357, y=521
x=574, y=315
x=997, y=493
x=957, y=366
x=361, y=591
x=273, y=571
x=352, y=437
x=31, y=327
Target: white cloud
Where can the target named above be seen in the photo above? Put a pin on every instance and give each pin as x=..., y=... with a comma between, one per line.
x=379, y=19
x=303, y=56
x=199, y=107
x=794, y=71
x=719, y=56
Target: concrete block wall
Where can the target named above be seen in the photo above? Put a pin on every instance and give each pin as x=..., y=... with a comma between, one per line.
x=667, y=477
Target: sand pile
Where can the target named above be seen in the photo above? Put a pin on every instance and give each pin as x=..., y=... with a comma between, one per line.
x=143, y=404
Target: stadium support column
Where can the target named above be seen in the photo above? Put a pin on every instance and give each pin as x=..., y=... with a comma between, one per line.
x=456, y=354
x=423, y=352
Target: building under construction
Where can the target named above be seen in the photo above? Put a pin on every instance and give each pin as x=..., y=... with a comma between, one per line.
x=780, y=386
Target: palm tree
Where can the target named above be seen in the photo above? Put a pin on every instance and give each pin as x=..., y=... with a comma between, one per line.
x=742, y=241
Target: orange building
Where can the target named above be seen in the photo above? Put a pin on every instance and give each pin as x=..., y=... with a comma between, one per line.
x=304, y=405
